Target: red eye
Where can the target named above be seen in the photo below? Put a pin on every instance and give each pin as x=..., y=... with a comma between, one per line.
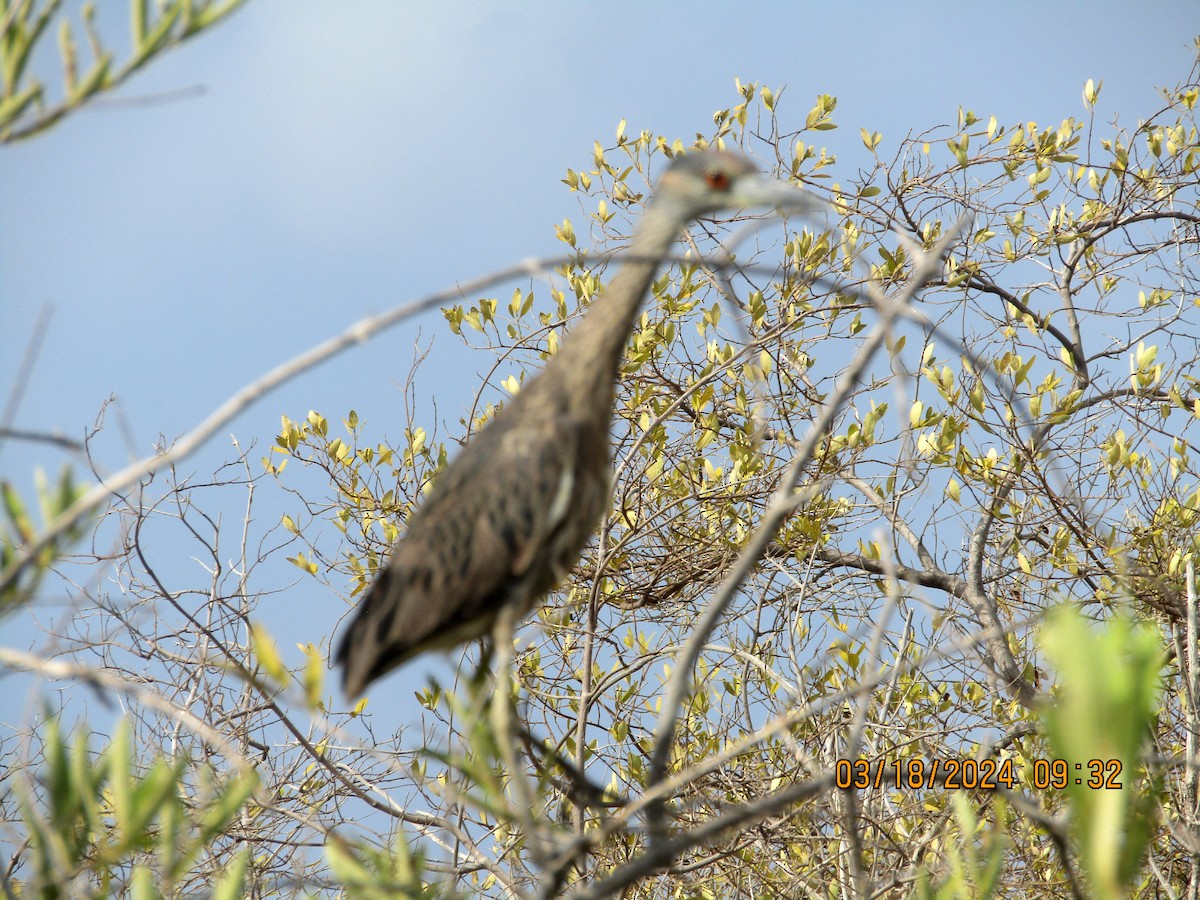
x=717, y=180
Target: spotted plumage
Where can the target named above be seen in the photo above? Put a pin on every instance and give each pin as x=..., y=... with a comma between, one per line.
x=509, y=516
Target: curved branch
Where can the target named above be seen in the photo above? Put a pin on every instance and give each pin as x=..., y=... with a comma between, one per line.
x=358, y=333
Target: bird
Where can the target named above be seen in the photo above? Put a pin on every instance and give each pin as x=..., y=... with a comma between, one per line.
x=507, y=519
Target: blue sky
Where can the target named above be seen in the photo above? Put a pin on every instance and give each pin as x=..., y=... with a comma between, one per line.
x=338, y=163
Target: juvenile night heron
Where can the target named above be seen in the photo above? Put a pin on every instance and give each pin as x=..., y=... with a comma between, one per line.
x=509, y=516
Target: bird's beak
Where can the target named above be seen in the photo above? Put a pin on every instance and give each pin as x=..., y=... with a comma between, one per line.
x=759, y=190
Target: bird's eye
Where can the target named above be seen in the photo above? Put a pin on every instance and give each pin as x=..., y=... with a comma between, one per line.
x=717, y=180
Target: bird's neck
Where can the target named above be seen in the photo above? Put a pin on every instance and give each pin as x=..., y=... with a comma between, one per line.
x=589, y=359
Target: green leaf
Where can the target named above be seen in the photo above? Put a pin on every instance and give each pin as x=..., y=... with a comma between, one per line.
x=232, y=882
x=1105, y=705
x=266, y=652
x=228, y=803
x=143, y=885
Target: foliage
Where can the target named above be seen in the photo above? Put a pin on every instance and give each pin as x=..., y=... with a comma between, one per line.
x=25, y=106
x=53, y=501
x=103, y=827
x=1025, y=442
x=972, y=874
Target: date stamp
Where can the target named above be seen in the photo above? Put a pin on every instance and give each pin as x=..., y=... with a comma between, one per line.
x=964, y=773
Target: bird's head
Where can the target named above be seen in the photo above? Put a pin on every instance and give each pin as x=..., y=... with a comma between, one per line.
x=707, y=181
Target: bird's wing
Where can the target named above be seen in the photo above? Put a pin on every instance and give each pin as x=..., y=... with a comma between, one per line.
x=533, y=491
x=478, y=542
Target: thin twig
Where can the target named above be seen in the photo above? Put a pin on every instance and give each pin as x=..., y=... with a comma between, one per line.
x=32, y=348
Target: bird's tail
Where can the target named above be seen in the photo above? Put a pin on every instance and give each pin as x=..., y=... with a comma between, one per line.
x=360, y=652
